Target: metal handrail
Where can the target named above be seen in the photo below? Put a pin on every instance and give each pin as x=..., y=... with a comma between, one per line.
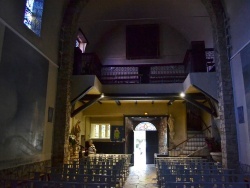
x=198, y=117
x=189, y=139
x=91, y=65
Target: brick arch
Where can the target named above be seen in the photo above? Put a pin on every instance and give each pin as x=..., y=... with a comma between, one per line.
x=62, y=113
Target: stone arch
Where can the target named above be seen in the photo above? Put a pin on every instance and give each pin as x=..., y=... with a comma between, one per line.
x=68, y=32
x=226, y=119
x=63, y=107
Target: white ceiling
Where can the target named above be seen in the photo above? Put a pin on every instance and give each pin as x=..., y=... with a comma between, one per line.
x=188, y=17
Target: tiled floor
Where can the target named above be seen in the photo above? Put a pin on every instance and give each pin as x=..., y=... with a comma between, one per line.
x=141, y=176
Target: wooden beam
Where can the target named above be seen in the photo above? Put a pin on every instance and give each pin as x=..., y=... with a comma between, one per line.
x=81, y=95
x=200, y=105
x=84, y=106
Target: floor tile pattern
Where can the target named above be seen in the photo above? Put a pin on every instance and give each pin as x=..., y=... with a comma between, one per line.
x=141, y=176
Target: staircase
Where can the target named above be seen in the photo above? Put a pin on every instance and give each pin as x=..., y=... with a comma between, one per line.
x=194, y=143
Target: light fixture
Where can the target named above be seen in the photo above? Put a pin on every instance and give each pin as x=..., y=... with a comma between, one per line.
x=182, y=94
x=170, y=103
x=145, y=113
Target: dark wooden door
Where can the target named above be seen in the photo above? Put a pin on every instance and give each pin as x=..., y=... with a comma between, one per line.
x=198, y=56
x=151, y=146
x=130, y=147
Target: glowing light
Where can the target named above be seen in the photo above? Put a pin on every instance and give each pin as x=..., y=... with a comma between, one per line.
x=182, y=94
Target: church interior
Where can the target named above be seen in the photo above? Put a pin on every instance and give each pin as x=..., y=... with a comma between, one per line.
x=124, y=93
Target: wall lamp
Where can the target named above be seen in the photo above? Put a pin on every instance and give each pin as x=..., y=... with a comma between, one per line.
x=182, y=94
x=170, y=102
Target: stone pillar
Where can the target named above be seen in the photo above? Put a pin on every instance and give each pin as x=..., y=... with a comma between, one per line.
x=60, y=152
x=163, y=135
x=227, y=123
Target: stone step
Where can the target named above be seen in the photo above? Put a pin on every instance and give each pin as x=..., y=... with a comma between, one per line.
x=186, y=152
x=190, y=148
x=196, y=136
x=197, y=139
x=194, y=132
x=196, y=144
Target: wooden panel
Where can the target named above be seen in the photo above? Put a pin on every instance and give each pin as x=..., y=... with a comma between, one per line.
x=151, y=146
x=109, y=147
x=198, y=56
x=142, y=41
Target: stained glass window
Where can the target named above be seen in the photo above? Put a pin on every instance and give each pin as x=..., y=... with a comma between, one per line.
x=33, y=15
x=145, y=126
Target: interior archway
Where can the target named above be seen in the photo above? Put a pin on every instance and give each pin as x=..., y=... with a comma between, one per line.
x=63, y=107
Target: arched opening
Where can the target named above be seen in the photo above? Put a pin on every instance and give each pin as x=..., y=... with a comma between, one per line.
x=143, y=143
x=145, y=126
x=67, y=40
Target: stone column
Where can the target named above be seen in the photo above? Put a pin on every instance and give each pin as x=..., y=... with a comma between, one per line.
x=60, y=152
x=163, y=135
x=227, y=123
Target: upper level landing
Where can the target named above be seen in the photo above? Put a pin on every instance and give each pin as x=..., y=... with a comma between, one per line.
x=148, y=82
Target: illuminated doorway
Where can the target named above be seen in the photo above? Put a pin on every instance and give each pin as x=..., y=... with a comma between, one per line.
x=139, y=147
x=142, y=155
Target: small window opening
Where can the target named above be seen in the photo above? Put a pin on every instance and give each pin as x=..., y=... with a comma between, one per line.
x=81, y=41
x=33, y=15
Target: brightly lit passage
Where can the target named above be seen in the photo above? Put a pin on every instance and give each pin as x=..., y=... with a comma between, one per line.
x=140, y=142
x=139, y=147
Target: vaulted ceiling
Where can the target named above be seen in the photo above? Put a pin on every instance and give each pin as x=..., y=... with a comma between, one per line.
x=100, y=18
x=188, y=17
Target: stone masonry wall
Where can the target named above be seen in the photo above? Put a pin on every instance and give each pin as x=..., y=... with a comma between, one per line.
x=227, y=125
x=163, y=135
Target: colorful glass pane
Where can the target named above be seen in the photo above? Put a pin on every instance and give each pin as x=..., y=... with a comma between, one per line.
x=33, y=15
x=145, y=126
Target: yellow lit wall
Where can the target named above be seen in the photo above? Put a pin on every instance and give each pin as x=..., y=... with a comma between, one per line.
x=114, y=114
